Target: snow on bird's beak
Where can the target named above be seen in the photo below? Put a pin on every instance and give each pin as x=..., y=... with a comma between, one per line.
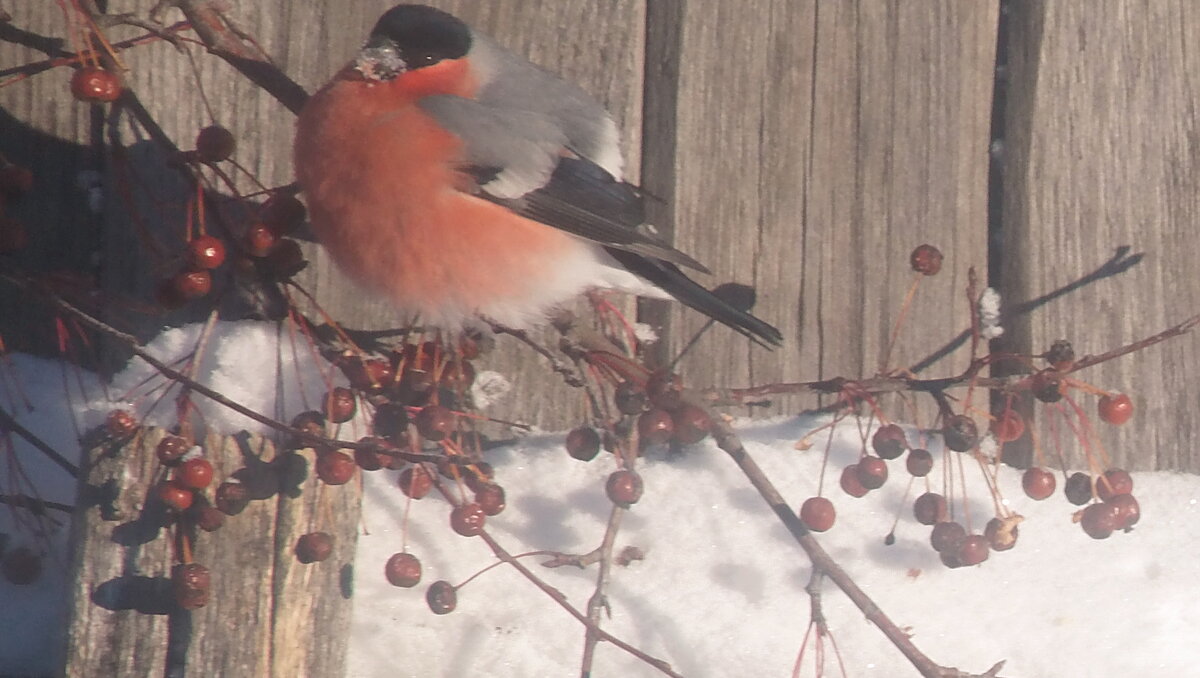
x=380, y=60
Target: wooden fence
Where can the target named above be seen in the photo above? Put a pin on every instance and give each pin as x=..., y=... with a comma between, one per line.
x=802, y=147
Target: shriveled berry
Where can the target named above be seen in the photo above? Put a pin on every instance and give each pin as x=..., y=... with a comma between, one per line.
x=170, y=449
x=173, y=496
x=850, y=483
x=930, y=508
x=1129, y=512
x=692, y=424
x=1060, y=355
x=960, y=433
x=120, y=423
x=1100, y=519
x=1078, y=488
x=889, y=441
x=314, y=547
x=441, y=597
x=583, y=443
x=490, y=498
x=21, y=566
x=926, y=260
x=435, y=422
x=195, y=474
x=340, y=405
x=415, y=481
x=1047, y=386
x=629, y=398
x=468, y=519
x=1114, y=482
x=311, y=422
x=206, y=252
x=1038, y=483
x=214, y=144
x=919, y=462
x=283, y=213
x=335, y=467
x=191, y=584
x=403, y=569
x=1001, y=533
x=1008, y=427
x=93, y=85
x=655, y=426
x=818, y=514
x=872, y=472
x=391, y=422
x=664, y=390
x=232, y=498
x=259, y=240
x=1115, y=409
x=972, y=550
x=947, y=536
x=624, y=487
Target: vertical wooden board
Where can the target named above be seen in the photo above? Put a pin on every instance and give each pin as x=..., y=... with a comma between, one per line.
x=811, y=165
x=1101, y=152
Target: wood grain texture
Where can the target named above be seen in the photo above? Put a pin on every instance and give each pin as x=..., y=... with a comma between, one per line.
x=1101, y=151
x=810, y=163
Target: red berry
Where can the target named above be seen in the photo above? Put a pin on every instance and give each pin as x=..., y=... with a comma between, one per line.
x=435, y=422
x=930, y=508
x=92, y=84
x=190, y=285
x=889, y=442
x=1114, y=482
x=191, y=584
x=629, y=398
x=1128, y=510
x=960, y=433
x=624, y=488
x=1001, y=534
x=872, y=472
x=926, y=260
x=335, y=467
x=232, y=498
x=490, y=498
x=174, y=496
x=919, y=462
x=655, y=426
x=583, y=443
x=850, y=483
x=1115, y=409
x=340, y=405
x=1078, y=488
x=972, y=550
x=403, y=569
x=415, y=481
x=818, y=514
x=120, y=423
x=206, y=252
x=947, y=536
x=441, y=597
x=692, y=424
x=1008, y=427
x=214, y=144
x=371, y=374
x=1038, y=483
x=1099, y=520
x=314, y=547
x=373, y=460
x=195, y=474
x=21, y=566
x=468, y=519
x=170, y=449
x=259, y=240
x=283, y=213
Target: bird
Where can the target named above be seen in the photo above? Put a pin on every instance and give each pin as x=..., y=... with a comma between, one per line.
x=461, y=181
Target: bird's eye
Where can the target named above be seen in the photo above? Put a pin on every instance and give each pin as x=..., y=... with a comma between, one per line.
x=427, y=59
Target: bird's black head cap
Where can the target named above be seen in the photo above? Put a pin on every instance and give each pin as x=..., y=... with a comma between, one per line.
x=422, y=35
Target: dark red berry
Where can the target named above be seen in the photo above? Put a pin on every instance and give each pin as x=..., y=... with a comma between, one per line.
x=655, y=426
x=232, y=498
x=629, y=399
x=283, y=213
x=21, y=566
x=583, y=443
x=490, y=498
x=947, y=536
x=191, y=285
x=415, y=481
x=1078, y=488
x=850, y=483
x=960, y=433
x=173, y=496
x=926, y=260
x=314, y=547
x=340, y=405
x=335, y=467
x=403, y=569
x=457, y=376
x=479, y=474
x=1060, y=355
x=919, y=462
x=195, y=474
x=170, y=449
x=206, y=252
x=1001, y=534
x=191, y=584
x=872, y=472
x=1115, y=409
x=1038, y=483
x=120, y=423
x=375, y=459
x=1008, y=427
x=692, y=424
x=889, y=441
x=1114, y=482
x=435, y=422
x=93, y=84
x=285, y=260
x=259, y=240
x=391, y=422
x=664, y=391
x=214, y=144
x=929, y=508
x=1047, y=386
x=468, y=519
x=818, y=514
x=1128, y=510
x=950, y=559
x=1099, y=520
x=311, y=422
x=441, y=597
x=369, y=375
x=624, y=487
x=972, y=550
x=208, y=517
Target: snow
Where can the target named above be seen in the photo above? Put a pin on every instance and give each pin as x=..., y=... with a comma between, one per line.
x=720, y=590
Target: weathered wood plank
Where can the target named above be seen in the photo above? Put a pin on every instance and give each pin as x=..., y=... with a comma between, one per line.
x=1101, y=152
x=811, y=162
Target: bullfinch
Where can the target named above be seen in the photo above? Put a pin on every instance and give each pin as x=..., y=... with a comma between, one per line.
x=462, y=181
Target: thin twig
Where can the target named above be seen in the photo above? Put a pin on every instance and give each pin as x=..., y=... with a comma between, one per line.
x=7, y=422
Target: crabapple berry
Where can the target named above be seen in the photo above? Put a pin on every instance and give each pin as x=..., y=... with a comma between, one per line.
x=818, y=513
